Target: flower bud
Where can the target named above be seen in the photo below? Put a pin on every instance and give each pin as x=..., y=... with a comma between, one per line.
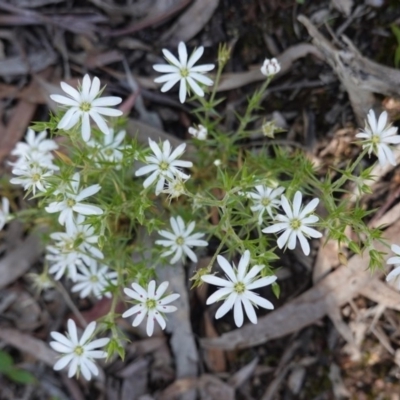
x=270, y=67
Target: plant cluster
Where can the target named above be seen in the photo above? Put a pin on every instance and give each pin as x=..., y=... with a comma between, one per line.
x=90, y=199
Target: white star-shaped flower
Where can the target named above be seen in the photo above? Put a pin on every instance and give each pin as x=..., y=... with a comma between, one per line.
x=111, y=150
x=181, y=240
x=378, y=135
x=34, y=148
x=151, y=304
x=84, y=104
x=78, y=353
x=295, y=223
x=72, y=202
x=175, y=187
x=81, y=236
x=265, y=198
x=64, y=257
x=163, y=165
x=94, y=280
x=31, y=177
x=236, y=291
x=394, y=274
x=4, y=212
x=184, y=71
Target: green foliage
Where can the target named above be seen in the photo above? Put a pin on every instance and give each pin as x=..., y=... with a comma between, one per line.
x=396, y=31
x=13, y=373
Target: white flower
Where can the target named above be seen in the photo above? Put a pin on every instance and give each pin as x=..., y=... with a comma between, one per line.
x=270, y=67
x=264, y=199
x=183, y=70
x=394, y=274
x=378, y=135
x=200, y=133
x=110, y=150
x=181, y=240
x=63, y=257
x=4, y=212
x=80, y=235
x=34, y=147
x=31, y=177
x=295, y=223
x=78, y=353
x=217, y=162
x=94, y=279
x=175, y=187
x=163, y=165
x=151, y=303
x=72, y=202
x=85, y=104
x=236, y=291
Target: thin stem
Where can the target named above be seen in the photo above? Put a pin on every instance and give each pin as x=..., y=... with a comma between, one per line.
x=70, y=304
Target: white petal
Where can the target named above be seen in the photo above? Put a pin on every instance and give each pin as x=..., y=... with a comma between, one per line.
x=243, y=263
x=101, y=123
x=85, y=130
x=251, y=314
x=238, y=313
x=87, y=333
x=297, y=204
x=226, y=306
x=182, y=91
x=182, y=51
x=268, y=280
x=227, y=268
x=218, y=295
x=63, y=362
x=215, y=280
x=196, y=55
x=71, y=91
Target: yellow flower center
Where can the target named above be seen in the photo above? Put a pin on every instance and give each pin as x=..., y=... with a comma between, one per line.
x=180, y=240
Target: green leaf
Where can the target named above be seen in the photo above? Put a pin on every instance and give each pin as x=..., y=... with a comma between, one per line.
x=276, y=289
x=20, y=376
x=6, y=361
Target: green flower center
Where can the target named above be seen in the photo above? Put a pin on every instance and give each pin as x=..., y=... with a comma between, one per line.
x=295, y=223
x=180, y=240
x=69, y=246
x=164, y=166
x=85, y=106
x=70, y=203
x=265, y=202
x=36, y=177
x=79, y=350
x=375, y=140
x=94, y=279
x=184, y=72
x=239, y=287
x=108, y=152
x=151, y=304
